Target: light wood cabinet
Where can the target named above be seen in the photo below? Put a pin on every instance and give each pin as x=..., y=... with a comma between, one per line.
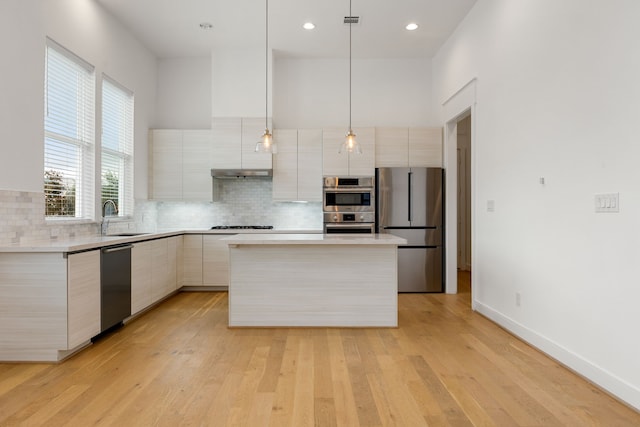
x=425, y=147
x=166, y=164
x=197, y=155
x=297, y=167
x=156, y=267
x=180, y=164
x=83, y=297
x=160, y=283
x=408, y=147
x=192, y=260
x=227, y=139
x=215, y=260
x=335, y=164
x=140, y=276
x=234, y=143
x=176, y=254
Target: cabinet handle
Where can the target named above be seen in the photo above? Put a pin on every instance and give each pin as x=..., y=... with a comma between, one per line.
x=116, y=249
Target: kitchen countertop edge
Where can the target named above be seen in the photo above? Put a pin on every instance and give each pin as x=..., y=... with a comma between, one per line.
x=315, y=239
x=96, y=242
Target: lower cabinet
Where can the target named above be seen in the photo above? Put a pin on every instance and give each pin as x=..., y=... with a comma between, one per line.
x=192, y=260
x=154, y=271
x=205, y=260
x=140, y=276
x=215, y=260
x=83, y=297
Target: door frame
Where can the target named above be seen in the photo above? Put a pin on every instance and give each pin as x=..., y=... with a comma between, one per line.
x=457, y=106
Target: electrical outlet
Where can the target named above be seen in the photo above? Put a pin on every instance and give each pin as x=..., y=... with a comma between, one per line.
x=517, y=299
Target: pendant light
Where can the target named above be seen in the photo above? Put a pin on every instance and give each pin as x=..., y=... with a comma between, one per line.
x=266, y=143
x=350, y=144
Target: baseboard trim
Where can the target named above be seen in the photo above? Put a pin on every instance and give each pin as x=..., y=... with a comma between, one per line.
x=610, y=383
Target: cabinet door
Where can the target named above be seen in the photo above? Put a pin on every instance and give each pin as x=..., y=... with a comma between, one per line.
x=252, y=130
x=179, y=256
x=310, y=165
x=159, y=269
x=197, y=158
x=83, y=297
x=226, y=137
x=285, y=165
x=364, y=164
x=192, y=260
x=173, y=248
x=140, y=276
x=215, y=260
x=392, y=147
x=333, y=163
x=425, y=147
x=166, y=164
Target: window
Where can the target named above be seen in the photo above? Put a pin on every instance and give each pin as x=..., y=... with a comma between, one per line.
x=69, y=134
x=117, y=149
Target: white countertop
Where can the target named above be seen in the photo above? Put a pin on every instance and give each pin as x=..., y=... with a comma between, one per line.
x=314, y=239
x=95, y=242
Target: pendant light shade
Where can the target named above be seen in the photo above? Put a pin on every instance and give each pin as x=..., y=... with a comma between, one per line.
x=266, y=143
x=350, y=144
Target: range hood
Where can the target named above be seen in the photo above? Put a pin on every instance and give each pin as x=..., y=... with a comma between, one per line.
x=241, y=173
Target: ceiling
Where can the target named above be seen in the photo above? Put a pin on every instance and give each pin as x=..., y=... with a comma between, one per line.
x=171, y=28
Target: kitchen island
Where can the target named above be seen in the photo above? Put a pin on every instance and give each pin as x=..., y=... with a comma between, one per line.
x=317, y=280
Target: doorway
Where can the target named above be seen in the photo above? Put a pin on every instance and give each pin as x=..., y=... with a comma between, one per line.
x=464, y=203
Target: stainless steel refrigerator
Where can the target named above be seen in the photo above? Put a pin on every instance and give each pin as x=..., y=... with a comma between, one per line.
x=410, y=204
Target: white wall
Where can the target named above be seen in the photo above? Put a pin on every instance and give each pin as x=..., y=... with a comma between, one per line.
x=314, y=93
x=184, y=94
x=238, y=78
x=558, y=97
x=21, y=95
x=85, y=29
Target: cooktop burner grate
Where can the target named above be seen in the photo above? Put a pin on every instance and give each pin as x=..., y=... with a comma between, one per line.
x=242, y=227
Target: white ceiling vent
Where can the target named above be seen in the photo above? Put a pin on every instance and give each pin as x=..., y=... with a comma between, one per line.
x=351, y=19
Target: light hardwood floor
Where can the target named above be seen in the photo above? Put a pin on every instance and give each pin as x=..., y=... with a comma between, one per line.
x=179, y=365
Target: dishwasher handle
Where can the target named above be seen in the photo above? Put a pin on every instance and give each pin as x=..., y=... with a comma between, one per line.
x=116, y=249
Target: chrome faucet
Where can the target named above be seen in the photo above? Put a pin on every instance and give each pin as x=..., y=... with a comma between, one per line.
x=104, y=225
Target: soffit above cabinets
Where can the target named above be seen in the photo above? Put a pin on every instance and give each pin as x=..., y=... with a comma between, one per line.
x=171, y=28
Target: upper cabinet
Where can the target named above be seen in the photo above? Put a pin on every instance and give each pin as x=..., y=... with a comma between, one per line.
x=234, y=143
x=297, y=166
x=335, y=164
x=165, y=172
x=408, y=147
x=180, y=164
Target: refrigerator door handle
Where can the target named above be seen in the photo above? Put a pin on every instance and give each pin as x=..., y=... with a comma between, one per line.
x=409, y=198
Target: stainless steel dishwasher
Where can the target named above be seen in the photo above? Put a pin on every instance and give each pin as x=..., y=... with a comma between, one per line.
x=115, y=285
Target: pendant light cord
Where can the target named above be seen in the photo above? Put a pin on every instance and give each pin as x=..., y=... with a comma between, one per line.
x=266, y=62
x=350, y=19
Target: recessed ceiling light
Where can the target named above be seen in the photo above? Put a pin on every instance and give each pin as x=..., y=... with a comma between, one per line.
x=412, y=26
x=308, y=26
x=206, y=26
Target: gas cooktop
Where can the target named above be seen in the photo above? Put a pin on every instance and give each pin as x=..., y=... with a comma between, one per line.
x=242, y=227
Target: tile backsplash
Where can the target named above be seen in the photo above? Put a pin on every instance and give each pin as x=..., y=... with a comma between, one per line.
x=243, y=202
x=22, y=221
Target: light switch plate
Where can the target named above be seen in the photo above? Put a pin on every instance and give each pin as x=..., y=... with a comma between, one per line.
x=609, y=202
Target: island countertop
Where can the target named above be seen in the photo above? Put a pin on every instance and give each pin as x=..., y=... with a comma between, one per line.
x=314, y=239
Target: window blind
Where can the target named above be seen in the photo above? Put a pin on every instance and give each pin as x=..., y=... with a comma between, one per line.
x=117, y=146
x=69, y=134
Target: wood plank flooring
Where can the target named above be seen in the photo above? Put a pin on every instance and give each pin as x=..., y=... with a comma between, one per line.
x=179, y=365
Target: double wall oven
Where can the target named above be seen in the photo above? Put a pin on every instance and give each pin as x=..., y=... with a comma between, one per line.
x=348, y=205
